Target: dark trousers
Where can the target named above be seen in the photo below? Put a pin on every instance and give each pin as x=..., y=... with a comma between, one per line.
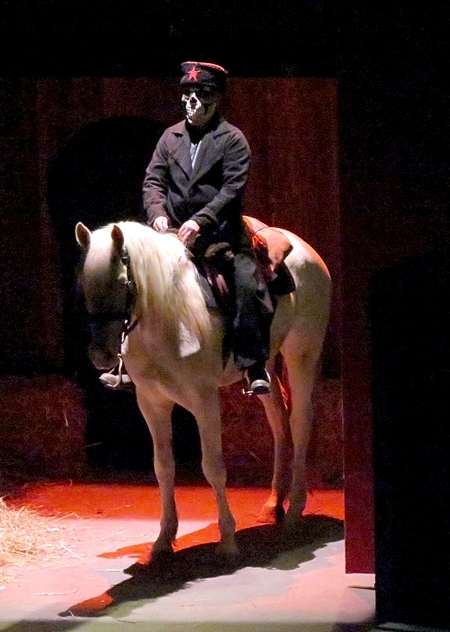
x=253, y=315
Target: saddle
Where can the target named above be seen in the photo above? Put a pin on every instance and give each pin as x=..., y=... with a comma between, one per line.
x=270, y=247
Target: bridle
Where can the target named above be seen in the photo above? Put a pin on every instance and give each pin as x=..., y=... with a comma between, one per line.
x=125, y=314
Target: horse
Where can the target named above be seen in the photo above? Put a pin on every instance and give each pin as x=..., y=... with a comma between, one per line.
x=145, y=300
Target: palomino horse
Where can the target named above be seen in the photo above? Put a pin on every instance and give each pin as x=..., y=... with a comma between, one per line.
x=171, y=345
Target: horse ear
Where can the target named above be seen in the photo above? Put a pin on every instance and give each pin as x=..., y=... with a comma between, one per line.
x=83, y=236
x=118, y=238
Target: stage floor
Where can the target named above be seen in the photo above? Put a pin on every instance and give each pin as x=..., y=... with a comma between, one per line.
x=275, y=584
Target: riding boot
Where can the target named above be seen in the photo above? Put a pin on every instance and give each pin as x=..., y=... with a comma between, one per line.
x=251, y=326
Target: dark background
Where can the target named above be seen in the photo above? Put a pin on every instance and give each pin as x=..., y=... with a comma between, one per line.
x=117, y=38
x=394, y=103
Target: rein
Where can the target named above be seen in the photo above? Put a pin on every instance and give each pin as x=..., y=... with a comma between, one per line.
x=127, y=326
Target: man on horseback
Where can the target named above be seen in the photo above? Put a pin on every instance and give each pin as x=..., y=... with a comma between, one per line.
x=195, y=183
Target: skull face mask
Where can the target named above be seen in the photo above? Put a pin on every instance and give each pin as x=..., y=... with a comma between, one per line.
x=199, y=103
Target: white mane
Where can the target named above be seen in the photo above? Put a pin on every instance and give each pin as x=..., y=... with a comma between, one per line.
x=166, y=280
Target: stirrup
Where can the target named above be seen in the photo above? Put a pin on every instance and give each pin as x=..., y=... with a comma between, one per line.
x=117, y=381
x=259, y=386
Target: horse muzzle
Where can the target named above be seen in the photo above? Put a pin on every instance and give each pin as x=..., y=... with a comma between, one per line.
x=102, y=359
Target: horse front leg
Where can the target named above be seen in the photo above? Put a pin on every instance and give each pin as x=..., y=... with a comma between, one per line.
x=278, y=417
x=158, y=415
x=207, y=413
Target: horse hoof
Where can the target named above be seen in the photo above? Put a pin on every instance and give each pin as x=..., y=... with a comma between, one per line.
x=161, y=555
x=271, y=515
x=292, y=524
x=227, y=551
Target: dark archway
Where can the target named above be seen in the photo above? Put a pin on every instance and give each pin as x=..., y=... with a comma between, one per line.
x=97, y=179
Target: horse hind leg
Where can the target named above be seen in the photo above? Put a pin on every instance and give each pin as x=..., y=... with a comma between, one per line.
x=301, y=360
x=277, y=413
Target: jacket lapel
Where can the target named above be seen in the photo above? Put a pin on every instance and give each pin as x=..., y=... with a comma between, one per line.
x=181, y=152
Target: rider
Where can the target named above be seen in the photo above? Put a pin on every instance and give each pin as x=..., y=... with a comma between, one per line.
x=194, y=183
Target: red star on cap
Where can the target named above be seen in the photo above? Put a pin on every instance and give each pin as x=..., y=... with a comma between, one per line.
x=193, y=74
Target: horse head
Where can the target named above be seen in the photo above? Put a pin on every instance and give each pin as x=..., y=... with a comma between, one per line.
x=107, y=286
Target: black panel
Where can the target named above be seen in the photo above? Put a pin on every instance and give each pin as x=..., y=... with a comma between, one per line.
x=411, y=385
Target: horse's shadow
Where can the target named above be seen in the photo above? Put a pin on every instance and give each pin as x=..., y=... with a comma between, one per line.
x=260, y=546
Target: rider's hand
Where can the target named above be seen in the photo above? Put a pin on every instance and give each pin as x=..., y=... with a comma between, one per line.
x=188, y=231
x=161, y=223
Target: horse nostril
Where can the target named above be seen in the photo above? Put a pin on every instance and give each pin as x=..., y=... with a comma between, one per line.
x=102, y=359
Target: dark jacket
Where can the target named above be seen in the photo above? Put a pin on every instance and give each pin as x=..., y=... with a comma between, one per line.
x=211, y=193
